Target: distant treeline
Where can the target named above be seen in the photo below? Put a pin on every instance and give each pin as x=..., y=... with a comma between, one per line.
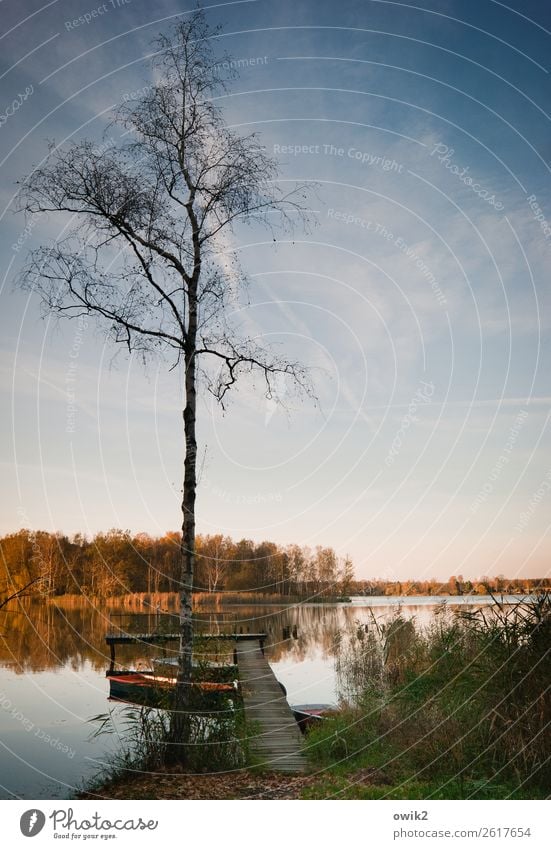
x=456, y=585
x=117, y=563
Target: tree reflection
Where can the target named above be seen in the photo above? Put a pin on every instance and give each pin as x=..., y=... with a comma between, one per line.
x=38, y=635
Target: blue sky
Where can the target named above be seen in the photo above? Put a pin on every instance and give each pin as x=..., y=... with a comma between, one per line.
x=420, y=298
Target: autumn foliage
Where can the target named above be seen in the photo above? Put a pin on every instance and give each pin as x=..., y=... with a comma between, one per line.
x=116, y=563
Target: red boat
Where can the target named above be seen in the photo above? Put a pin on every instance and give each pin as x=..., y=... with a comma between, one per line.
x=148, y=688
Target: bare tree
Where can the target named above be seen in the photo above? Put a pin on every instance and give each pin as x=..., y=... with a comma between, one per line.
x=216, y=555
x=142, y=251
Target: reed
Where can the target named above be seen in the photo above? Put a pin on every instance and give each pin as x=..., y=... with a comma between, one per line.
x=163, y=601
x=218, y=743
x=143, y=602
x=461, y=708
x=219, y=600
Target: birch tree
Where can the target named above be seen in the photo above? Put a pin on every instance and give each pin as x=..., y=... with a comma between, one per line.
x=147, y=219
x=216, y=553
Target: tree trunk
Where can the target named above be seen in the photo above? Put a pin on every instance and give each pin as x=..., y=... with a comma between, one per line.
x=181, y=717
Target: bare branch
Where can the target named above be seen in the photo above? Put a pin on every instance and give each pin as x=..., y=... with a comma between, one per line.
x=248, y=356
x=23, y=592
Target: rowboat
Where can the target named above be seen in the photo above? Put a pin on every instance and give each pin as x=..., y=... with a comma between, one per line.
x=211, y=670
x=308, y=716
x=148, y=688
x=209, y=664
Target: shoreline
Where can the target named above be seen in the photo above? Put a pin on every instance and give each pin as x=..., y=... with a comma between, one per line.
x=151, y=602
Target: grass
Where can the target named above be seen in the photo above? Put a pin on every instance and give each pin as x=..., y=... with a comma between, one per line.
x=459, y=711
x=218, y=741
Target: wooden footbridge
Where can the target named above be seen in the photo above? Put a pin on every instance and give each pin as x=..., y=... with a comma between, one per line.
x=277, y=740
x=121, y=638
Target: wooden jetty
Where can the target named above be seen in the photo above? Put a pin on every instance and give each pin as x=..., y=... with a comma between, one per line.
x=158, y=639
x=277, y=742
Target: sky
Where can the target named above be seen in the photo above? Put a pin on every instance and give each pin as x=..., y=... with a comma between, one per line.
x=419, y=298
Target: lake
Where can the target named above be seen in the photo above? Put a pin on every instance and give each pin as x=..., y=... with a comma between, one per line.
x=53, y=662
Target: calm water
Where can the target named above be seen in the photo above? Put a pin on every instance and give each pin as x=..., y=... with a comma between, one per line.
x=53, y=663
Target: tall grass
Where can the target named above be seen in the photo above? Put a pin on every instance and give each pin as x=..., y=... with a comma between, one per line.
x=169, y=601
x=463, y=706
x=218, y=600
x=130, y=601
x=218, y=742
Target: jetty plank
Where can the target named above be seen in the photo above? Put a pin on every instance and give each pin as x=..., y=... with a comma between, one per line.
x=278, y=740
x=121, y=638
x=154, y=639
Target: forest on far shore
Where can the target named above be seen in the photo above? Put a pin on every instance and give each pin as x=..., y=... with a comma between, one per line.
x=117, y=562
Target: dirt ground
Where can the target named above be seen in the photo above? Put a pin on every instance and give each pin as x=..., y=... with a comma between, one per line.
x=231, y=785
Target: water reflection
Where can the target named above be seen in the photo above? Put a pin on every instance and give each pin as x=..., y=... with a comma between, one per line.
x=36, y=636
x=53, y=661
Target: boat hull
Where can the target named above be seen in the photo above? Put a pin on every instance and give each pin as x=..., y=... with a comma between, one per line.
x=308, y=716
x=158, y=691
